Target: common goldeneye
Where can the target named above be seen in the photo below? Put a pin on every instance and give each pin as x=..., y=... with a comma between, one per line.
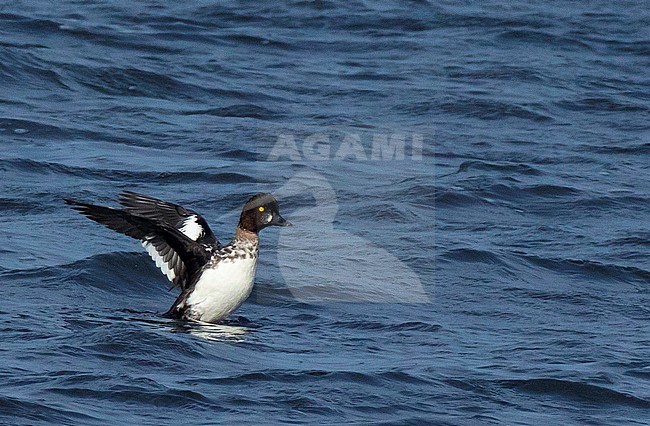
x=214, y=279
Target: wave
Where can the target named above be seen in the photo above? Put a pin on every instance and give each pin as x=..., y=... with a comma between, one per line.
x=600, y=104
x=380, y=326
x=167, y=398
x=487, y=109
x=13, y=408
x=541, y=37
x=36, y=130
x=380, y=378
x=45, y=167
x=499, y=73
x=575, y=390
x=451, y=198
x=509, y=168
x=240, y=111
x=473, y=256
x=588, y=268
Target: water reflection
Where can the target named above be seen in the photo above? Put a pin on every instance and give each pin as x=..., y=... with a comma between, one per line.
x=228, y=331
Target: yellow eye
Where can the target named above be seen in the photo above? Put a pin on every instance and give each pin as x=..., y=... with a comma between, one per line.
x=261, y=209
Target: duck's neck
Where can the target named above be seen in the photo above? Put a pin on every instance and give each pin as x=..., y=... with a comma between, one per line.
x=245, y=238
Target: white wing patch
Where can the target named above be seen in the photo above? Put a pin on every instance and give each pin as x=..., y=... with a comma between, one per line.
x=166, y=268
x=191, y=228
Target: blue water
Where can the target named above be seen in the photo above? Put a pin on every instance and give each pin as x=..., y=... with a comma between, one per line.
x=497, y=275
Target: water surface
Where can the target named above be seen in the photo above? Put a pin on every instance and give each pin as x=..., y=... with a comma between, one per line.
x=500, y=276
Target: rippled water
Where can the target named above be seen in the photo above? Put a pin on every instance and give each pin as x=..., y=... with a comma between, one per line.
x=501, y=276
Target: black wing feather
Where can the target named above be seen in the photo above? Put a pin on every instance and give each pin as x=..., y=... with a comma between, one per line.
x=168, y=241
x=170, y=213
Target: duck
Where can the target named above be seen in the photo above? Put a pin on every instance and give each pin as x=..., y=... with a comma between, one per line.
x=214, y=279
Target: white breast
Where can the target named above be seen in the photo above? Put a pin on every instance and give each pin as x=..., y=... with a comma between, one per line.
x=221, y=289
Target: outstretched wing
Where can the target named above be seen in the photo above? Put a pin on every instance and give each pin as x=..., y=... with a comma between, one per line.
x=185, y=220
x=190, y=223
x=180, y=257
